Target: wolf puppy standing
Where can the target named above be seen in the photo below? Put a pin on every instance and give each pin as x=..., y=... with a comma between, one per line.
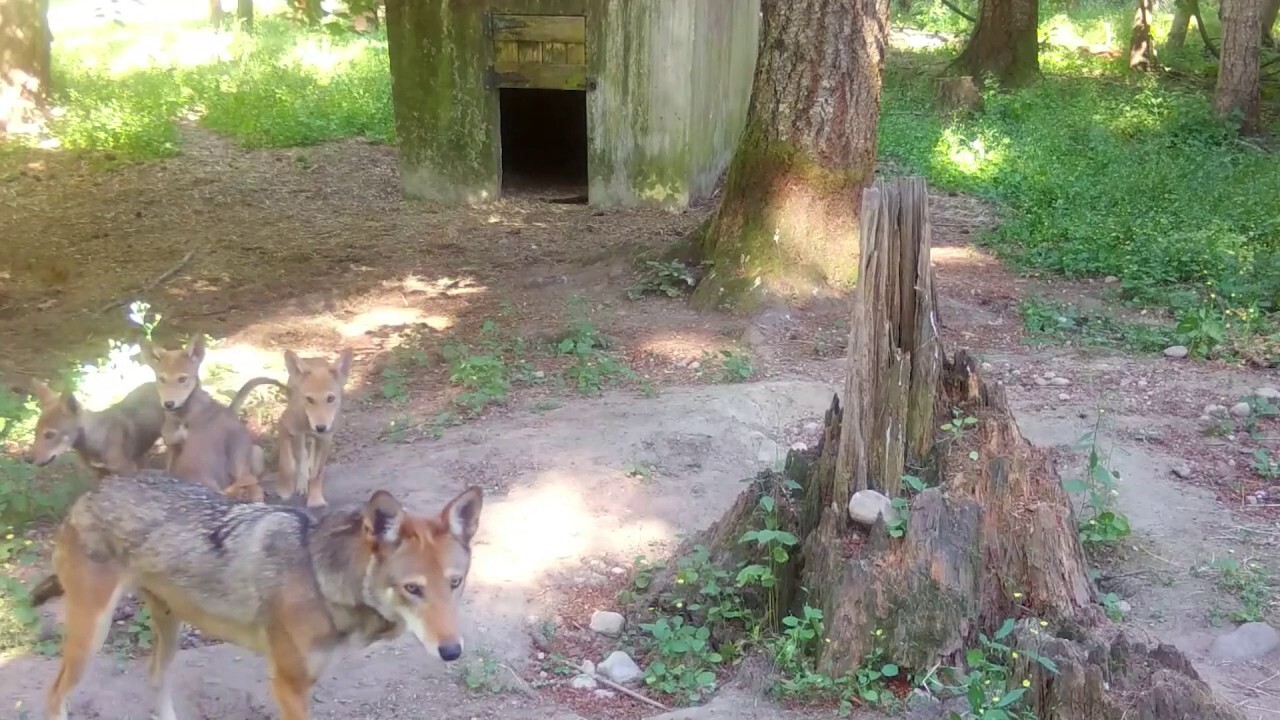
x=272, y=579
x=304, y=435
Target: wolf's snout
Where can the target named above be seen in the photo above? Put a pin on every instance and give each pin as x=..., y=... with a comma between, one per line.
x=321, y=428
x=169, y=404
x=451, y=652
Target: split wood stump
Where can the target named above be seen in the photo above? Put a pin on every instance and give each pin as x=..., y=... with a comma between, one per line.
x=992, y=537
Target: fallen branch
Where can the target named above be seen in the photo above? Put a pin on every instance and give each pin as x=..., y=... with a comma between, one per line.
x=159, y=279
x=611, y=684
x=953, y=8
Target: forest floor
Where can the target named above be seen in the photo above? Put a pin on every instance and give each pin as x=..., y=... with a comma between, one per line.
x=620, y=447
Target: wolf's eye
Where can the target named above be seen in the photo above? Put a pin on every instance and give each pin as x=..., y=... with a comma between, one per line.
x=50, y=434
x=455, y=583
x=413, y=589
x=183, y=380
x=331, y=399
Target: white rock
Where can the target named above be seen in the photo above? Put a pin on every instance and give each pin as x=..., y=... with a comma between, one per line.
x=607, y=623
x=1181, y=471
x=605, y=694
x=617, y=570
x=583, y=682
x=695, y=365
x=1064, y=396
x=1142, y=383
x=1215, y=410
x=587, y=667
x=987, y=367
x=1049, y=375
x=1267, y=393
x=812, y=426
x=1111, y=279
x=1124, y=606
x=620, y=668
x=866, y=505
x=799, y=446
x=1059, y=381
x=1177, y=352
x=1041, y=381
x=1250, y=641
x=1241, y=410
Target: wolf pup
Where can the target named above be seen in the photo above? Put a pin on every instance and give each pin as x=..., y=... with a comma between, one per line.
x=272, y=579
x=207, y=441
x=304, y=435
x=114, y=441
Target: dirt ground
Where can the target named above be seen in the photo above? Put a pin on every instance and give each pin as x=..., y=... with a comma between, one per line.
x=314, y=250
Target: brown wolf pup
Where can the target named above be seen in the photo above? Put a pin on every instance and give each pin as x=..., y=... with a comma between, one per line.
x=304, y=435
x=207, y=441
x=272, y=579
x=112, y=441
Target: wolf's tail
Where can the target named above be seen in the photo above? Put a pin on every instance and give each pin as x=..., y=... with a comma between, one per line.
x=248, y=387
x=48, y=589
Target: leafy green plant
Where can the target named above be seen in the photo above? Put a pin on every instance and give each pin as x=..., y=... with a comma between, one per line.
x=1102, y=525
x=1265, y=465
x=987, y=680
x=1249, y=582
x=773, y=544
x=685, y=661
x=594, y=366
x=735, y=367
x=667, y=277
x=1202, y=330
x=897, y=527
x=959, y=424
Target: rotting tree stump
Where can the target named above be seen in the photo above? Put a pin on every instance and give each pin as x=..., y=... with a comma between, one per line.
x=993, y=537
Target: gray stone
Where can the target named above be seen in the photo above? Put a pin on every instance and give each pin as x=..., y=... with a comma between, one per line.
x=1267, y=393
x=1176, y=352
x=605, y=694
x=587, y=667
x=1064, y=396
x=1181, y=471
x=1041, y=381
x=1215, y=411
x=866, y=505
x=799, y=446
x=1059, y=381
x=583, y=682
x=607, y=623
x=1241, y=410
x=1250, y=641
x=620, y=668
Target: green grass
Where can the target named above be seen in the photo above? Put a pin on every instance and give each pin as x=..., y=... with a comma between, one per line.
x=1098, y=171
x=1102, y=172
x=125, y=88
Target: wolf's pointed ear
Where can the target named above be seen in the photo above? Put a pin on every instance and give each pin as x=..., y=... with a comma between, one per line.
x=150, y=354
x=291, y=363
x=344, y=364
x=44, y=394
x=70, y=402
x=462, y=514
x=195, y=348
x=383, y=519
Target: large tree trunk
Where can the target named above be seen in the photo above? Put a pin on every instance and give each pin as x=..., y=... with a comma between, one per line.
x=786, y=223
x=244, y=13
x=1142, y=47
x=1270, y=9
x=26, y=63
x=991, y=544
x=1004, y=43
x=216, y=13
x=1181, y=22
x=1239, y=92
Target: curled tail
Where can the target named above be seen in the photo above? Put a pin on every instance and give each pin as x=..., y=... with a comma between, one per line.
x=48, y=589
x=248, y=387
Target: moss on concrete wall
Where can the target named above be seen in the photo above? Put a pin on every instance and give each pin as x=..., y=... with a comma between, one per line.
x=446, y=120
x=672, y=82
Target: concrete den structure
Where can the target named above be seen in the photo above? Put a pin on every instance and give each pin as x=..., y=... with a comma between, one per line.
x=625, y=102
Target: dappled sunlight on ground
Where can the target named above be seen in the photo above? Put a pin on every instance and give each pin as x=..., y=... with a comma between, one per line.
x=547, y=526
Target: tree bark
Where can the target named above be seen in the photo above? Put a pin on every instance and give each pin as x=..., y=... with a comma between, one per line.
x=311, y=11
x=1181, y=22
x=216, y=13
x=1270, y=9
x=244, y=12
x=1142, y=47
x=993, y=539
x=26, y=63
x=1239, y=91
x=788, y=222
x=1004, y=43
